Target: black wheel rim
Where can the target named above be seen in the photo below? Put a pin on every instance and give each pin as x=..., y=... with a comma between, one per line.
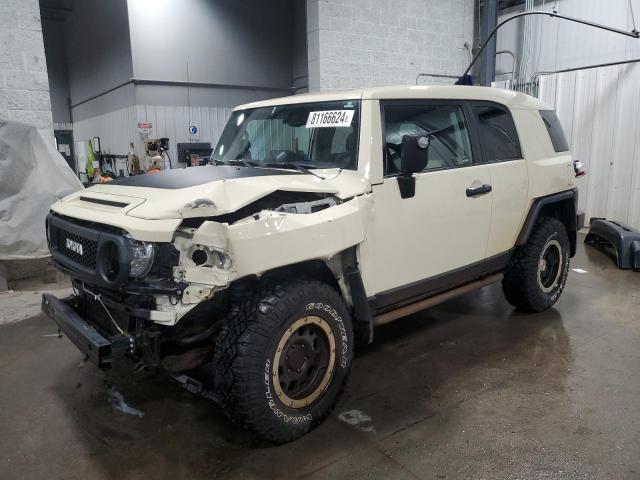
x=303, y=363
x=304, y=360
x=549, y=266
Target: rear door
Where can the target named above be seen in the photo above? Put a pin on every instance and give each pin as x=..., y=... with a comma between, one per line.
x=502, y=153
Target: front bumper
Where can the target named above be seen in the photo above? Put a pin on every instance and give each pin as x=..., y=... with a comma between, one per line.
x=98, y=348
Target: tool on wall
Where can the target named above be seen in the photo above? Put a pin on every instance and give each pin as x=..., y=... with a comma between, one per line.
x=91, y=158
x=157, y=155
x=133, y=163
x=112, y=166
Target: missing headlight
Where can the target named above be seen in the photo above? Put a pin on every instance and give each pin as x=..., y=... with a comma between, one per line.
x=204, y=256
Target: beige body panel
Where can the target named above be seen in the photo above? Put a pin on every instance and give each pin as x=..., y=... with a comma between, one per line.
x=509, y=183
x=438, y=230
x=276, y=239
x=548, y=172
x=140, y=229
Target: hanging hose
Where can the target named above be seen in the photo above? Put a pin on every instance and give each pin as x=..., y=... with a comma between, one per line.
x=633, y=18
x=633, y=34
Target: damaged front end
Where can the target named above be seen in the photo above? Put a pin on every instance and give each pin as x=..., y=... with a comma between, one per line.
x=125, y=293
x=162, y=303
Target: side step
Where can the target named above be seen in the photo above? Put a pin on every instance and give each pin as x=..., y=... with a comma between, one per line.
x=435, y=300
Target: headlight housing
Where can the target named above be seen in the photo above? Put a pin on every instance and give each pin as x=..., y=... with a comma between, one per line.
x=211, y=257
x=220, y=259
x=141, y=258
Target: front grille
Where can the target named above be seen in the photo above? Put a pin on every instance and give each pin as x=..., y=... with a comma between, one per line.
x=89, y=247
x=75, y=246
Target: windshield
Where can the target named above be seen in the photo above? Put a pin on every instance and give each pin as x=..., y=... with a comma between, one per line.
x=306, y=135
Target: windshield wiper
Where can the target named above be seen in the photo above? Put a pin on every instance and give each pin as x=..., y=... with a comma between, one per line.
x=238, y=162
x=297, y=166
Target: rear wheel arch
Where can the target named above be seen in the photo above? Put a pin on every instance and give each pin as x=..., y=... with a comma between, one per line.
x=562, y=206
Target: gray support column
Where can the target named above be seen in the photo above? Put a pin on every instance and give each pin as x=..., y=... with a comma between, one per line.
x=3, y=276
x=488, y=21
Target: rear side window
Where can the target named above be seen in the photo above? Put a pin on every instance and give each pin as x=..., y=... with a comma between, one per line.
x=554, y=128
x=497, y=133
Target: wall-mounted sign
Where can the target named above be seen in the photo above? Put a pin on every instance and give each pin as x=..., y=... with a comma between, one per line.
x=193, y=132
x=144, y=128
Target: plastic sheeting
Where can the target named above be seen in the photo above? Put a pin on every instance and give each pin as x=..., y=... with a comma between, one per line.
x=33, y=175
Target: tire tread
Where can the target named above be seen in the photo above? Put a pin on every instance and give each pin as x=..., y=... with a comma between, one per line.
x=248, y=327
x=520, y=277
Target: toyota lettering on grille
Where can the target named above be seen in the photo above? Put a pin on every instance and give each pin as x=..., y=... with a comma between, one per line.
x=74, y=246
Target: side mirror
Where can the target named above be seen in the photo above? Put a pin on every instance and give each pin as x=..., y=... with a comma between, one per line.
x=415, y=154
x=414, y=158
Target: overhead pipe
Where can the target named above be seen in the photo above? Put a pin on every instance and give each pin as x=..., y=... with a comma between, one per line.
x=175, y=83
x=633, y=34
x=535, y=76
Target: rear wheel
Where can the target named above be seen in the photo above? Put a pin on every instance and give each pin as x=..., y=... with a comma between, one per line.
x=283, y=358
x=538, y=270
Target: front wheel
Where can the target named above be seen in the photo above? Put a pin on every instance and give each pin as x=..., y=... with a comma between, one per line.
x=283, y=358
x=538, y=270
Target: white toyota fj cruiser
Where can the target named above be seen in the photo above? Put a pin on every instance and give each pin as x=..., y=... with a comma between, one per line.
x=321, y=216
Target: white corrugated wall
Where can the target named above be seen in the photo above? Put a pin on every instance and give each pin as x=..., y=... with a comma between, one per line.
x=600, y=111
x=118, y=128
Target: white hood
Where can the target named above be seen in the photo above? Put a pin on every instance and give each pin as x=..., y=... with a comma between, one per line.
x=216, y=197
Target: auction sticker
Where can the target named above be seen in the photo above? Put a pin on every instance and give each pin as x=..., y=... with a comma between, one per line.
x=330, y=118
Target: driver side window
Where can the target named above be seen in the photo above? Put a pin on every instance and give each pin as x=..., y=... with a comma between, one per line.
x=444, y=125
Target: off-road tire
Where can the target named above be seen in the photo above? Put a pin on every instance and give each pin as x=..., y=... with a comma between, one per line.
x=246, y=348
x=521, y=284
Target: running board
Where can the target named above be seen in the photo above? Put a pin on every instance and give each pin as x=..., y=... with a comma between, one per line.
x=435, y=300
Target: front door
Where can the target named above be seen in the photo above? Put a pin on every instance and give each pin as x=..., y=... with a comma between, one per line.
x=445, y=225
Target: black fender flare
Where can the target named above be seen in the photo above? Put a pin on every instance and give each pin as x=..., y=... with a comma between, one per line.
x=363, y=316
x=563, y=205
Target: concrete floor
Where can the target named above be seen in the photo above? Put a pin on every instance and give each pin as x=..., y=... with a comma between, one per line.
x=469, y=389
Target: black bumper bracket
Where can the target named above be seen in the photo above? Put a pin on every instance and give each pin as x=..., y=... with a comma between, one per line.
x=99, y=349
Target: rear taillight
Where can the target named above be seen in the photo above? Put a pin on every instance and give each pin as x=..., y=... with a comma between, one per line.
x=578, y=167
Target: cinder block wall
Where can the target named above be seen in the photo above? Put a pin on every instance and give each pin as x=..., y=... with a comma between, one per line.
x=24, y=86
x=359, y=43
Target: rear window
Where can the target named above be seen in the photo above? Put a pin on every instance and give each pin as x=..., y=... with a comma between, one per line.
x=498, y=134
x=554, y=128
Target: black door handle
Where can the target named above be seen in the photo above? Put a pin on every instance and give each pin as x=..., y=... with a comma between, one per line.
x=481, y=190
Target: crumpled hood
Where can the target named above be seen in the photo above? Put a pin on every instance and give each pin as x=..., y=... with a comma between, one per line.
x=210, y=190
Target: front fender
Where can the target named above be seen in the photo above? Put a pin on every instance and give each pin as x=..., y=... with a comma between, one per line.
x=271, y=239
